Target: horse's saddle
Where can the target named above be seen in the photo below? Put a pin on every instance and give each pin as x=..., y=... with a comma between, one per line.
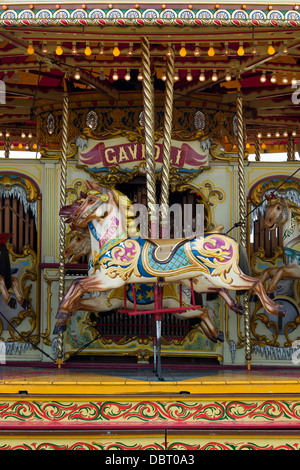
x=164, y=249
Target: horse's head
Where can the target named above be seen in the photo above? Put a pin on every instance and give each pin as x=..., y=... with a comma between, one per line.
x=276, y=212
x=79, y=245
x=94, y=204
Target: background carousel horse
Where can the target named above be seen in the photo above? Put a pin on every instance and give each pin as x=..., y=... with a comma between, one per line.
x=210, y=261
x=282, y=211
x=7, y=280
x=79, y=244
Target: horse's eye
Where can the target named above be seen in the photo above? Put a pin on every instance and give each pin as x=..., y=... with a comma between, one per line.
x=78, y=239
x=90, y=199
x=278, y=208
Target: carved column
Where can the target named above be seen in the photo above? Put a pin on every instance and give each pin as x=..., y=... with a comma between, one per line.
x=148, y=101
x=290, y=148
x=168, y=120
x=257, y=147
x=242, y=211
x=62, y=236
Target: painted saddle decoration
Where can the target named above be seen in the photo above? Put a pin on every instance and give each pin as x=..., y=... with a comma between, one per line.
x=123, y=257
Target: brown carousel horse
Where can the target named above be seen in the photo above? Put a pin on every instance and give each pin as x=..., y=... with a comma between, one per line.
x=282, y=211
x=7, y=280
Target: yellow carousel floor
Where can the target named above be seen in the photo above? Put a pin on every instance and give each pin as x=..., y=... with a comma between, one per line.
x=130, y=409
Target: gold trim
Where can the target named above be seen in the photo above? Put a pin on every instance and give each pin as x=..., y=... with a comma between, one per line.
x=7, y=181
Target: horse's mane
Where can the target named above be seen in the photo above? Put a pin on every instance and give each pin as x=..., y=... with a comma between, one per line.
x=125, y=206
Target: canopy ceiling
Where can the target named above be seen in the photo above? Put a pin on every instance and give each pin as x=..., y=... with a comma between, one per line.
x=34, y=72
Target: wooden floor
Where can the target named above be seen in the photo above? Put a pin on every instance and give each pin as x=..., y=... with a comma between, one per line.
x=130, y=409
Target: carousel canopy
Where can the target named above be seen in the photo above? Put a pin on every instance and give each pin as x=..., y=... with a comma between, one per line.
x=95, y=49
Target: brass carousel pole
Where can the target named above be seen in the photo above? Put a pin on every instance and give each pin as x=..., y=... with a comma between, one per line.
x=242, y=210
x=148, y=101
x=257, y=147
x=168, y=118
x=290, y=148
x=6, y=145
x=62, y=237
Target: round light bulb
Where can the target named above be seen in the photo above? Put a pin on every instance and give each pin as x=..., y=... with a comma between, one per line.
x=273, y=78
x=30, y=135
x=214, y=77
x=30, y=49
x=211, y=51
x=23, y=135
x=277, y=134
x=88, y=50
x=74, y=48
x=271, y=49
x=45, y=48
x=116, y=51
x=228, y=77
x=182, y=51
x=196, y=51
x=115, y=76
x=284, y=80
x=59, y=50
x=176, y=77
x=202, y=77
x=269, y=134
x=77, y=75
x=294, y=81
x=241, y=50
x=189, y=77
x=259, y=135
x=127, y=76
x=263, y=78
x=294, y=133
x=140, y=76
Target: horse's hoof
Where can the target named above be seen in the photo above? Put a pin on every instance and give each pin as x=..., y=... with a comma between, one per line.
x=281, y=311
x=238, y=308
x=221, y=336
x=214, y=339
x=12, y=303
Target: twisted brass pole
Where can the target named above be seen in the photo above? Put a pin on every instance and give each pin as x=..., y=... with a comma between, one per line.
x=167, y=136
x=62, y=236
x=242, y=210
x=257, y=147
x=148, y=102
x=290, y=148
x=6, y=146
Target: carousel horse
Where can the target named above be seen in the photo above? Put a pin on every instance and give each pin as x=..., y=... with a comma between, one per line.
x=210, y=261
x=282, y=211
x=7, y=280
x=79, y=244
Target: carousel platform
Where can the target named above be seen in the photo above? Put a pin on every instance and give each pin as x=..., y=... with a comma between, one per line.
x=130, y=409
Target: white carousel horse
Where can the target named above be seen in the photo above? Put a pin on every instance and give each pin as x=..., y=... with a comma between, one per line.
x=211, y=261
x=79, y=244
x=282, y=211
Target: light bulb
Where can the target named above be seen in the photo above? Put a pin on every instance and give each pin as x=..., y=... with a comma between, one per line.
x=116, y=51
x=228, y=77
x=294, y=133
x=277, y=134
x=77, y=75
x=101, y=52
x=1, y=134
x=176, y=77
x=127, y=76
x=254, y=49
x=285, y=49
x=294, y=81
x=30, y=49
x=29, y=135
x=202, y=77
x=115, y=75
x=189, y=77
x=211, y=51
x=284, y=80
x=226, y=50
x=273, y=78
x=130, y=50
x=74, y=48
x=263, y=77
x=241, y=50
x=88, y=50
x=214, y=77
x=259, y=135
x=20, y=145
x=7, y=134
x=196, y=51
x=164, y=76
x=263, y=145
x=269, y=134
x=169, y=51
x=45, y=48
x=23, y=135
x=271, y=49
x=285, y=134
x=140, y=76
x=182, y=51
x=59, y=50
